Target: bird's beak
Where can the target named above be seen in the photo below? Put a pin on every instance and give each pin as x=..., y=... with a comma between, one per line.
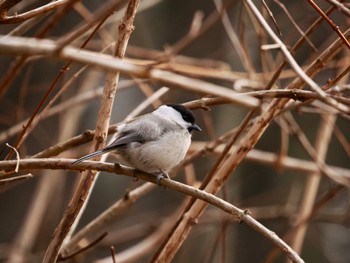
x=195, y=127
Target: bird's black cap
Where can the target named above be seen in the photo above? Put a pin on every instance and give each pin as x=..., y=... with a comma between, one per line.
x=187, y=115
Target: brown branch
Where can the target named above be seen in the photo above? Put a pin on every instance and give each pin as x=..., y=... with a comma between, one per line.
x=258, y=156
x=313, y=181
x=234, y=40
x=181, y=230
x=328, y=196
x=340, y=6
x=101, y=14
x=330, y=22
x=86, y=137
x=298, y=95
x=307, y=79
x=93, y=243
x=295, y=47
x=15, y=179
x=6, y=5
x=285, y=10
x=67, y=104
x=87, y=181
x=240, y=214
x=271, y=16
x=33, y=120
x=113, y=254
x=17, y=18
x=342, y=140
x=147, y=244
x=262, y=157
x=46, y=47
x=288, y=163
x=106, y=217
x=17, y=65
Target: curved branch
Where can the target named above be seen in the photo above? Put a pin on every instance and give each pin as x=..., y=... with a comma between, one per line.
x=17, y=18
x=239, y=214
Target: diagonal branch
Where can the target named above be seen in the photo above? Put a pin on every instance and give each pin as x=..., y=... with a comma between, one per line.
x=183, y=227
x=88, y=179
x=330, y=22
x=313, y=85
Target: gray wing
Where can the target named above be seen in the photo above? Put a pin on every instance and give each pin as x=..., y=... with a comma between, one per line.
x=125, y=138
x=139, y=130
x=143, y=129
x=119, y=142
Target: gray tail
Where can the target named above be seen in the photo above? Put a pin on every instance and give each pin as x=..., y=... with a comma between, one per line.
x=90, y=155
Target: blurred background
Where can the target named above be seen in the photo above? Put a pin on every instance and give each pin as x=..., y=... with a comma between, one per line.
x=275, y=194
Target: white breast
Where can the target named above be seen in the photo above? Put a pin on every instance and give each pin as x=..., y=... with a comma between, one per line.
x=161, y=155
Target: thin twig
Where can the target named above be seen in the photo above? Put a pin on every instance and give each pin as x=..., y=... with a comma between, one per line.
x=107, y=216
x=113, y=254
x=17, y=65
x=93, y=243
x=150, y=241
x=6, y=19
x=342, y=139
x=155, y=96
x=100, y=14
x=17, y=156
x=288, y=163
x=15, y=179
x=295, y=47
x=234, y=40
x=340, y=6
x=67, y=104
x=33, y=120
x=293, y=63
x=285, y=10
x=313, y=181
x=271, y=16
x=330, y=22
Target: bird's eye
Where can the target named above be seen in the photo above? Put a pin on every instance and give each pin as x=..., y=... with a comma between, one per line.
x=186, y=117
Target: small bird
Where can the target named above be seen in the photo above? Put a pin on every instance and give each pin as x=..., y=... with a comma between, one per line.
x=155, y=142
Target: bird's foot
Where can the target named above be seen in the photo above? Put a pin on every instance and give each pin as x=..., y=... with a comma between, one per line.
x=161, y=176
x=134, y=178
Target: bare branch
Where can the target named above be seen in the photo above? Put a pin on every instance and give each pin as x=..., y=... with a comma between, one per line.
x=46, y=47
x=88, y=179
x=293, y=63
x=240, y=214
x=340, y=6
x=17, y=18
x=330, y=22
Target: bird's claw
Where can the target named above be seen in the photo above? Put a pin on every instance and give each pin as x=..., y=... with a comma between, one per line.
x=161, y=176
x=134, y=178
